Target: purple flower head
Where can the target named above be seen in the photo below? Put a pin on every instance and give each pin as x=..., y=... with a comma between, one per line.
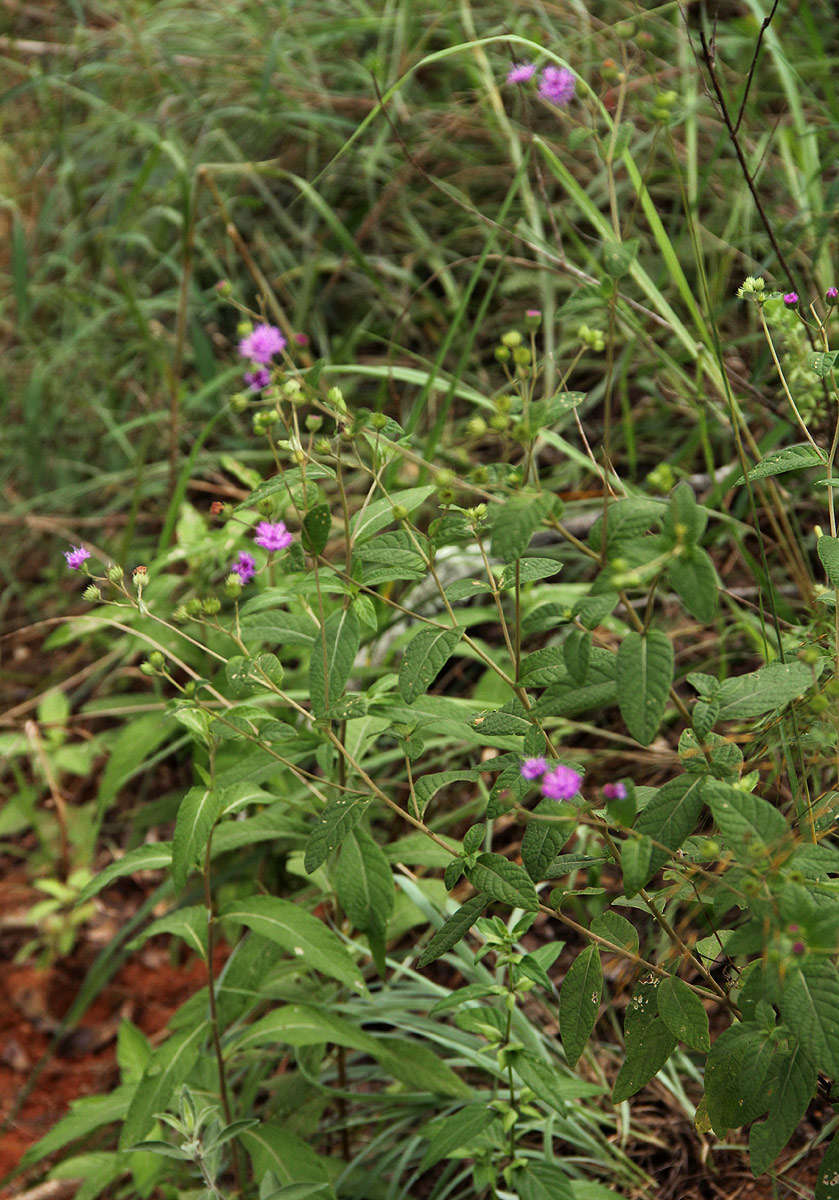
x=561, y=783
x=798, y=947
x=521, y=72
x=614, y=791
x=244, y=566
x=272, y=535
x=76, y=556
x=791, y=299
x=533, y=768
x=262, y=344
x=832, y=295
x=557, y=85
x=258, y=379
x=302, y=339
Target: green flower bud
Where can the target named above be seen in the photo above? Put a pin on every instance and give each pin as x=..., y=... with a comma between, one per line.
x=244, y=328
x=399, y=512
x=323, y=446
x=521, y=432
x=157, y=660
x=224, y=288
x=511, y=338
x=504, y=403
x=91, y=593
x=211, y=605
x=809, y=654
x=147, y=669
x=378, y=421
x=446, y=495
x=521, y=356
x=266, y=506
x=499, y=421
x=476, y=427
x=114, y=573
x=233, y=585
x=480, y=475
x=336, y=397
x=193, y=607
x=292, y=388
x=502, y=354
x=445, y=478
x=240, y=402
x=189, y=687
x=532, y=318
x=299, y=457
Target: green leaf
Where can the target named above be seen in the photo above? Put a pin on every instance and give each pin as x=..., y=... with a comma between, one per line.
x=810, y=1007
x=314, y=945
x=671, y=816
x=197, y=813
x=516, y=521
x=143, y=858
x=625, y=520
x=451, y=1131
x=764, y=690
x=748, y=824
x=337, y=820
x=273, y=1148
x=552, y=1085
x=316, y=526
x=543, y=840
x=576, y=652
x=169, y=1068
x=828, y=548
x=279, y=628
x=420, y=1068
x=364, y=884
x=380, y=513
x=695, y=582
x=618, y=257
x=780, y=461
x=685, y=520
x=424, y=658
x=85, y=1116
x=302, y=1025
x=737, y=1052
x=683, y=1013
x=542, y=1181
x=453, y=929
x=649, y=1043
x=644, y=675
x=792, y=1090
x=427, y=786
x=615, y=929
x=333, y=655
x=827, y=1184
x=189, y=924
x=822, y=362
x=636, y=859
x=97, y=1171
x=579, y=1001
x=504, y=880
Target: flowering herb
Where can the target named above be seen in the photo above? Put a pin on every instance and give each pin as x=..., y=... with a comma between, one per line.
x=557, y=85
x=614, y=791
x=262, y=344
x=533, y=768
x=521, y=72
x=272, y=535
x=258, y=379
x=244, y=567
x=790, y=299
x=561, y=783
x=76, y=556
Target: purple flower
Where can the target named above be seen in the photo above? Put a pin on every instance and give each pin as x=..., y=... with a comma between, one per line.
x=614, y=791
x=521, y=72
x=798, y=947
x=244, y=566
x=272, y=535
x=557, y=85
x=832, y=295
x=561, y=783
x=532, y=768
x=258, y=379
x=791, y=299
x=76, y=556
x=262, y=344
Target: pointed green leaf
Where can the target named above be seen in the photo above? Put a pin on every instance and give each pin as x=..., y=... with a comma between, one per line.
x=793, y=458
x=515, y=522
x=810, y=1007
x=316, y=526
x=189, y=924
x=579, y=1001
x=695, y=582
x=644, y=676
x=168, y=1069
x=333, y=655
x=145, y=858
x=273, y=1148
x=764, y=690
x=337, y=820
x=453, y=929
x=424, y=658
x=748, y=824
x=827, y=1184
x=543, y=840
x=683, y=1013
x=297, y=931
x=793, y=1087
x=636, y=859
x=364, y=882
x=504, y=880
x=197, y=813
x=649, y=1043
x=671, y=816
x=451, y=1131
x=616, y=929
x=380, y=513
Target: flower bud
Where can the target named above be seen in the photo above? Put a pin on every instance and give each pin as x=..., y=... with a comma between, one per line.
x=240, y=402
x=147, y=669
x=445, y=495
x=399, y=512
x=114, y=573
x=379, y=421
x=224, y=288
x=244, y=328
x=211, y=605
x=233, y=585
x=502, y=354
x=832, y=296
x=323, y=446
x=157, y=660
x=533, y=318
x=292, y=388
x=139, y=577
x=521, y=356
x=511, y=338
x=91, y=593
x=499, y=421
x=336, y=397
x=193, y=607
x=476, y=427
x=313, y=422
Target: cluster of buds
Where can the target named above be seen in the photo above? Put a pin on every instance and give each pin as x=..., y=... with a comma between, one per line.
x=753, y=288
x=594, y=339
